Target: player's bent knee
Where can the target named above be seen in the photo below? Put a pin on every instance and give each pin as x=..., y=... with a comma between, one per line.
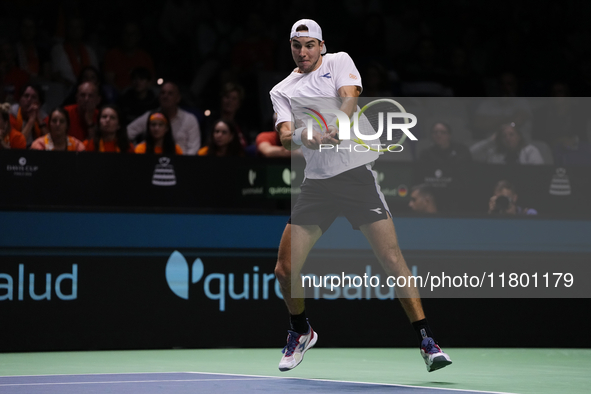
x=282, y=272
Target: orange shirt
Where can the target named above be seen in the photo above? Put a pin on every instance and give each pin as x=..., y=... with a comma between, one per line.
x=203, y=151
x=141, y=148
x=15, y=140
x=109, y=146
x=272, y=137
x=45, y=143
x=18, y=122
x=78, y=127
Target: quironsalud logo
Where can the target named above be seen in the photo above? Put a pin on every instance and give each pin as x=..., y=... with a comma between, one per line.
x=164, y=173
x=177, y=274
x=218, y=286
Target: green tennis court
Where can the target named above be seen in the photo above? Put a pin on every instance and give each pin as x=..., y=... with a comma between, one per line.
x=394, y=370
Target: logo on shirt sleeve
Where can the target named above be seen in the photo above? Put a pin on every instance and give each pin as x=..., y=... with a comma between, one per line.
x=352, y=76
x=327, y=75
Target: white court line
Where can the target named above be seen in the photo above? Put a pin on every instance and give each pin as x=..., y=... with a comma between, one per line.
x=269, y=377
x=351, y=381
x=128, y=381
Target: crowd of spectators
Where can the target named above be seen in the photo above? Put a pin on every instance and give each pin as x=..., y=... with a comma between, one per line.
x=192, y=78
x=218, y=65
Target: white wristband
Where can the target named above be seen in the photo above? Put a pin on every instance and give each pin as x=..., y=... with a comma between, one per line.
x=296, y=137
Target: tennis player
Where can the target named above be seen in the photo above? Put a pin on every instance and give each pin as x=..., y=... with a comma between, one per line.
x=327, y=191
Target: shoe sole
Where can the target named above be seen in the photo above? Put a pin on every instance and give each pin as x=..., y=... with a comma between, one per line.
x=438, y=363
x=310, y=344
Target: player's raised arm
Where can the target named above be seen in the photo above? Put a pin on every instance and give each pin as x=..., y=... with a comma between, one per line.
x=349, y=95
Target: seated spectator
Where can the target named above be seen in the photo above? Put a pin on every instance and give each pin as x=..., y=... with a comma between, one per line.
x=506, y=146
x=121, y=61
x=184, y=125
x=504, y=201
x=31, y=57
x=58, y=138
x=27, y=116
x=9, y=137
x=445, y=150
x=73, y=55
x=140, y=98
x=111, y=136
x=84, y=114
x=12, y=78
x=159, y=138
x=91, y=74
x=232, y=96
x=223, y=141
x=422, y=199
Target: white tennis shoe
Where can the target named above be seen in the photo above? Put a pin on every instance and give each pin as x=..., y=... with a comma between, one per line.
x=434, y=357
x=297, y=345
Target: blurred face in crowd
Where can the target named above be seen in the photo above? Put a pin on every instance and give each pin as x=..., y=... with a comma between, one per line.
x=222, y=136
x=28, y=98
x=510, y=137
x=158, y=129
x=507, y=193
x=441, y=135
x=109, y=121
x=306, y=52
x=417, y=203
x=512, y=196
x=87, y=97
x=58, y=125
x=170, y=96
x=231, y=102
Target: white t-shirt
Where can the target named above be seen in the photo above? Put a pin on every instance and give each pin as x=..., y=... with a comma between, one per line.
x=302, y=89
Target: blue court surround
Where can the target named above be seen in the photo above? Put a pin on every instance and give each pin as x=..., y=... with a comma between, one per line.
x=148, y=230
x=191, y=383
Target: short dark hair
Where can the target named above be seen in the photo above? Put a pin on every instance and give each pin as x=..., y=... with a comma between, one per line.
x=443, y=124
x=38, y=89
x=424, y=190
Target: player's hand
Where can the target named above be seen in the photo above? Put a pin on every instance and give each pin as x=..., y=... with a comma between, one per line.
x=332, y=137
x=314, y=142
x=33, y=112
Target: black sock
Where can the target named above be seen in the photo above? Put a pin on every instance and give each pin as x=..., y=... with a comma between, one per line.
x=422, y=329
x=299, y=323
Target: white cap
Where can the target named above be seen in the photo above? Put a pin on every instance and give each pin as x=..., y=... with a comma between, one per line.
x=314, y=31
